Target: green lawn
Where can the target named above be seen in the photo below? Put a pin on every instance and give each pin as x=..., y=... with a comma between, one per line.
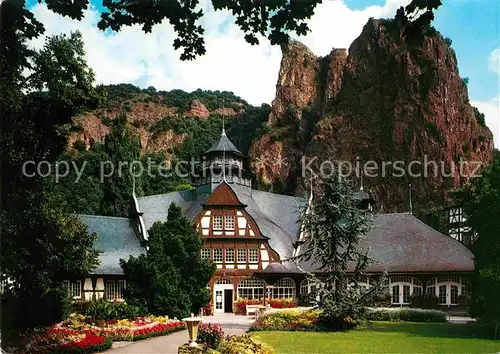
x=386, y=337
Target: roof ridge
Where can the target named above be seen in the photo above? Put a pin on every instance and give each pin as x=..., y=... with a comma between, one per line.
x=279, y=194
x=163, y=194
x=403, y=213
x=105, y=217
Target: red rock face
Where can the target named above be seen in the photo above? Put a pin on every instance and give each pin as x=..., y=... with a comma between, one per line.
x=197, y=109
x=390, y=101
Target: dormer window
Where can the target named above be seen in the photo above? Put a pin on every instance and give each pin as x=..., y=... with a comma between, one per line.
x=229, y=222
x=217, y=222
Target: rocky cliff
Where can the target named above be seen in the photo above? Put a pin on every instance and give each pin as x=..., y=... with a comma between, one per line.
x=389, y=101
x=157, y=118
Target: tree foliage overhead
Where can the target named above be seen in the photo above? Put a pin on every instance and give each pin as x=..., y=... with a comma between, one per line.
x=171, y=278
x=41, y=240
x=61, y=69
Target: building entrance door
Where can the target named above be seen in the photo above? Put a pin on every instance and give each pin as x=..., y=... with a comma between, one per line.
x=228, y=300
x=223, y=296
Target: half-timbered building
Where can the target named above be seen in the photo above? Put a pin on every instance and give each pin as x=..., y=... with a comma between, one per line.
x=251, y=235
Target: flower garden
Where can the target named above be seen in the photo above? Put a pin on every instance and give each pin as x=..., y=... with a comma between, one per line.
x=83, y=334
x=211, y=340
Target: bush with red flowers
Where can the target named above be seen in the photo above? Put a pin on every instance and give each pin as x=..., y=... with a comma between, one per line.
x=208, y=310
x=210, y=334
x=241, y=305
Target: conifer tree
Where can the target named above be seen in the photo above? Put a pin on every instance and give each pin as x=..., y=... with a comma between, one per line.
x=121, y=149
x=333, y=229
x=171, y=278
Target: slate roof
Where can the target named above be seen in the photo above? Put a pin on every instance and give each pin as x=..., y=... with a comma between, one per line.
x=401, y=243
x=223, y=144
x=276, y=215
x=117, y=240
x=281, y=268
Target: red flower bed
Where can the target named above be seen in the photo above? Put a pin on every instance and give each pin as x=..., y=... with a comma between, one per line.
x=66, y=340
x=59, y=340
x=158, y=329
x=90, y=343
x=282, y=303
x=240, y=306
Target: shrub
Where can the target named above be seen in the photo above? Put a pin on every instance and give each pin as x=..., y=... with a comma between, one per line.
x=287, y=320
x=424, y=301
x=382, y=300
x=208, y=310
x=244, y=345
x=464, y=301
x=186, y=349
x=396, y=314
x=106, y=310
x=210, y=334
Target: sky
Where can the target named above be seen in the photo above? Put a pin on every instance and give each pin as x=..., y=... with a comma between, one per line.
x=251, y=72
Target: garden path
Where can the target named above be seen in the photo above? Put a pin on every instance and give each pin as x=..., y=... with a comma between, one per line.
x=231, y=324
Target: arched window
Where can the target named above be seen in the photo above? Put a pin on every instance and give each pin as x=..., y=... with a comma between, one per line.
x=251, y=288
x=448, y=288
x=308, y=286
x=283, y=288
x=364, y=282
x=402, y=287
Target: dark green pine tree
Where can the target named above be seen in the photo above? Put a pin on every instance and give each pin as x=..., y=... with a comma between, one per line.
x=333, y=228
x=121, y=149
x=171, y=278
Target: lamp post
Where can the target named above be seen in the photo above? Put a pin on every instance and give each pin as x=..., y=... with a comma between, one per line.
x=192, y=326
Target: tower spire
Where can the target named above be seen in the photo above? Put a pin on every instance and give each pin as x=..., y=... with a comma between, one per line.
x=411, y=202
x=223, y=120
x=133, y=183
x=224, y=162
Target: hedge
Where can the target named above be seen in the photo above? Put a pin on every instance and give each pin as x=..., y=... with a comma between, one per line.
x=396, y=314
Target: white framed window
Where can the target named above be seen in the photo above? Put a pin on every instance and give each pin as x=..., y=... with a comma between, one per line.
x=402, y=287
x=310, y=286
x=74, y=288
x=217, y=222
x=253, y=255
x=229, y=255
x=242, y=255
x=448, y=289
x=113, y=290
x=283, y=288
x=205, y=253
x=217, y=255
x=229, y=222
x=251, y=288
